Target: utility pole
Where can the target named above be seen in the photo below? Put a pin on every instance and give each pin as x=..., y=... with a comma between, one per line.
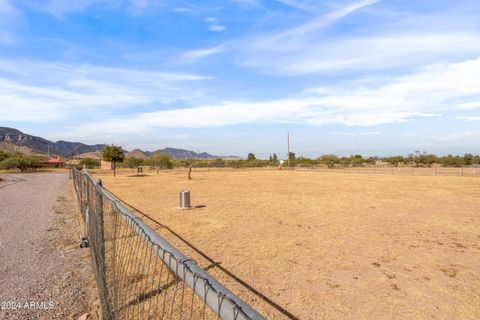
x=288, y=155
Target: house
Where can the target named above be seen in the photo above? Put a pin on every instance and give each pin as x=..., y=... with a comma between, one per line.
x=53, y=163
x=106, y=165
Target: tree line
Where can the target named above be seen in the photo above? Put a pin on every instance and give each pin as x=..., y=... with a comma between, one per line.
x=22, y=162
x=417, y=158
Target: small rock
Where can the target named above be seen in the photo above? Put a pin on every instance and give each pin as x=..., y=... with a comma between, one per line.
x=84, y=316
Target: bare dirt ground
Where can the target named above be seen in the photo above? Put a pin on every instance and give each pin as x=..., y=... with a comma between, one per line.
x=43, y=272
x=327, y=245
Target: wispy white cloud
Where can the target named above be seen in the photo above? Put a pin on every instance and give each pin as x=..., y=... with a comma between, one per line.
x=469, y=118
x=468, y=105
x=217, y=28
x=183, y=10
x=10, y=19
x=247, y=3
x=301, y=5
x=354, y=134
x=36, y=91
x=211, y=19
x=392, y=43
x=195, y=55
x=287, y=40
x=455, y=136
x=424, y=94
x=214, y=25
x=59, y=8
x=318, y=23
x=357, y=54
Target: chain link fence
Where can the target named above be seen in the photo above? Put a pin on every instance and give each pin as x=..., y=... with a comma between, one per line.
x=138, y=273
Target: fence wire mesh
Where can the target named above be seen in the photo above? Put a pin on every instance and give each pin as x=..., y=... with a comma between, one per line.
x=139, y=274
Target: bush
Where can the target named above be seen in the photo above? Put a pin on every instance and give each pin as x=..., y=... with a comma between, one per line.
x=330, y=160
x=89, y=162
x=159, y=161
x=4, y=155
x=132, y=162
x=21, y=162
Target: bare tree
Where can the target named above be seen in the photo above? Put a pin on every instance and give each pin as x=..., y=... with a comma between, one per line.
x=190, y=163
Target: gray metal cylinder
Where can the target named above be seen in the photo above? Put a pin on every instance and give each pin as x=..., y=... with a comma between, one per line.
x=185, y=199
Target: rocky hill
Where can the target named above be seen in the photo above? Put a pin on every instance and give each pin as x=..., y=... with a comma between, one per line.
x=15, y=140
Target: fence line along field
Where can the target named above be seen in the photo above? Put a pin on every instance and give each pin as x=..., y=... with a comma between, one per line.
x=314, y=245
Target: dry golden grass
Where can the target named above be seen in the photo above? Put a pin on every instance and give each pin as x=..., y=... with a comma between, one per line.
x=327, y=245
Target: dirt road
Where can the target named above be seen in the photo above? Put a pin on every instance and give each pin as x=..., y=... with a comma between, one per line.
x=43, y=272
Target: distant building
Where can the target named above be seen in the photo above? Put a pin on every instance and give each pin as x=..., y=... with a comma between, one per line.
x=106, y=165
x=53, y=163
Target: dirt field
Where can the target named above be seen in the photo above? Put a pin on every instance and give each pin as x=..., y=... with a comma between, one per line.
x=327, y=245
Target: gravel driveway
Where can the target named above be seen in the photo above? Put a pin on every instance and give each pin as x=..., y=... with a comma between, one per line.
x=43, y=272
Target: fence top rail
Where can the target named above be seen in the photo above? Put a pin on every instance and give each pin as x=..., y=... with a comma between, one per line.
x=212, y=295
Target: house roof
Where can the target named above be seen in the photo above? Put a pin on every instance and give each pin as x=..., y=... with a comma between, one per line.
x=54, y=160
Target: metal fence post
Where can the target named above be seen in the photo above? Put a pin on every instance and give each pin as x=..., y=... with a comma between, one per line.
x=100, y=239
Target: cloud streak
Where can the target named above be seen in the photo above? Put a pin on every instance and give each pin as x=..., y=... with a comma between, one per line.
x=427, y=93
x=36, y=91
x=383, y=45
x=281, y=39
x=10, y=19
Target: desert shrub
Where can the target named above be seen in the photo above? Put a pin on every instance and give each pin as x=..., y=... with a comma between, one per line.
x=21, y=162
x=330, y=160
x=159, y=161
x=89, y=162
x=395, y=160
x=4, y=155
x=251, y=157
x=132, y=162
x=452, y=161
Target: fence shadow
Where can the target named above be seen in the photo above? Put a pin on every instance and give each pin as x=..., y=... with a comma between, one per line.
x=214, y=264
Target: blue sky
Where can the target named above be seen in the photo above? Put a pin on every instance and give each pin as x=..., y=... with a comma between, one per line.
x=234, y=76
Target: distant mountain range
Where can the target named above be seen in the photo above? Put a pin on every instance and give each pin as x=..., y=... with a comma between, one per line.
x=11, y=138
x=178, y=154
x=15, y=140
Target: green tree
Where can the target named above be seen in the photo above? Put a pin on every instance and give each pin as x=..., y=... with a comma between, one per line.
x=133, y=162
x=274, y=161
x=160, y=161
x=251, y=157
x=422, y=158
x=395, y=160
x=468, y=159
x=429, y=159
x=345, y=161
x=452, y=161
x=217, y=163
x=89, y=162
x=357, y=160
x=330, y=160
x=476, y=159
x=21, y=162
x=113, y=154
x=291, y=159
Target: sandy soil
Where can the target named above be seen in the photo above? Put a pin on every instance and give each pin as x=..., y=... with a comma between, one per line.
x=43, y=272
x=327, y=245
